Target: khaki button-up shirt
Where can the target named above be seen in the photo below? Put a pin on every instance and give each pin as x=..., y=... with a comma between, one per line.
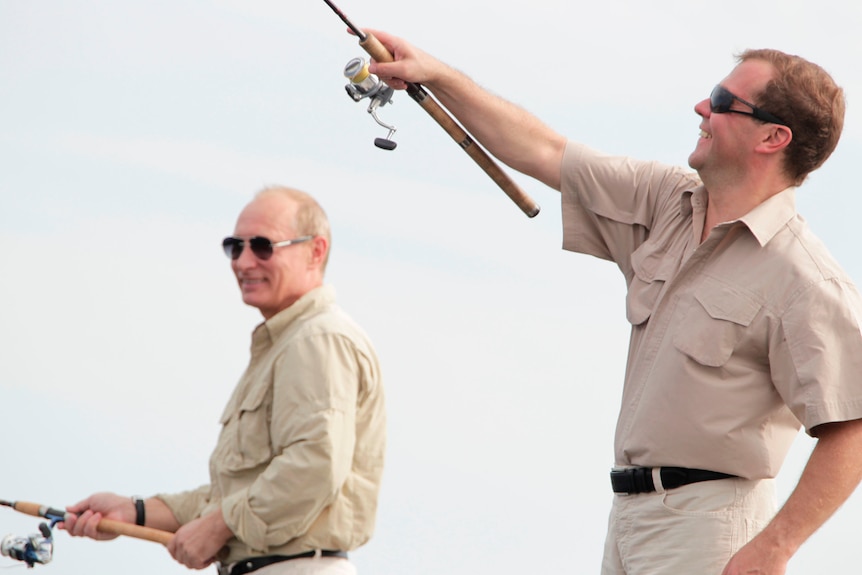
x=735, y=341
x=299, y=459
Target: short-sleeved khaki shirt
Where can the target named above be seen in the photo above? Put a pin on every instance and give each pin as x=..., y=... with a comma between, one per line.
x=299, y=459
x=735, y=341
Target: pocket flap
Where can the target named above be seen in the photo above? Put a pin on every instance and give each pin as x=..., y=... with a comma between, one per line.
x=715, y=323
x=729, y=304
x=251, y=400
x=651, y=269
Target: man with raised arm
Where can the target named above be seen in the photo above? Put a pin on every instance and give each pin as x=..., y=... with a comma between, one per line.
x=743, y=327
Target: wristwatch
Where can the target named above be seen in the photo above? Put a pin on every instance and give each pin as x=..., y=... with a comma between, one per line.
x=141, y=513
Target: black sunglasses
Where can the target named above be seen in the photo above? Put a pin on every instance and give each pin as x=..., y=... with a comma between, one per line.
x=721, y=99
x=260, y=246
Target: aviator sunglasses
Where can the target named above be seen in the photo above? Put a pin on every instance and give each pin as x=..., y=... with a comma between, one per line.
x=721, y=99
x=260, y=246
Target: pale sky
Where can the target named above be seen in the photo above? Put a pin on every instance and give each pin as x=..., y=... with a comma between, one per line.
x=133, y=133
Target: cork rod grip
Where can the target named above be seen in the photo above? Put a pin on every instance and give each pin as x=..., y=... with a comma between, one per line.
x=29, y=508
x=379, y=52
x=136, y=531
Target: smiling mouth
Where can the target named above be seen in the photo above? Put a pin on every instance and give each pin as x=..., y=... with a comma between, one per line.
x=248, y=282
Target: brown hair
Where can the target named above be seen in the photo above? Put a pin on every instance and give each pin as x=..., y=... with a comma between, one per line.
x=806, y=97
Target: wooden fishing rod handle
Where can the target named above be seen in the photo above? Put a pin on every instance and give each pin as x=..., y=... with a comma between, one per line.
x=105, y=525
x=379, y=52
x=466, y=142
x=136, y=531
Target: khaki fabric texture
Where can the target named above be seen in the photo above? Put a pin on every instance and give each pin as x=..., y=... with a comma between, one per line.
x=319, y=566
x=694, y=529
x=299, y=460
x=736, y=341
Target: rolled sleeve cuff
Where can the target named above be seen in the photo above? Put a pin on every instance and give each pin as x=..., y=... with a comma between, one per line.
x=831, y=412
x=246, y=526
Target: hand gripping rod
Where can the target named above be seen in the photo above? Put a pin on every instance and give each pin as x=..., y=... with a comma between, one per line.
x=379, y=52
x=105, y=525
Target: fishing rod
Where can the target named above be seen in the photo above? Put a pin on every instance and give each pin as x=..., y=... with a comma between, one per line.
x=38, y=548
x=363, y=86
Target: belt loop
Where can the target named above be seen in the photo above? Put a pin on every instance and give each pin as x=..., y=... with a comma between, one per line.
x=656, y=480
x=642, y=479
x=318, y=553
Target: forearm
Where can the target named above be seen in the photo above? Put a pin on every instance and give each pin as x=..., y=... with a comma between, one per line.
x=507, y=131
x=519, y=139
x=833, y=472
x=185, y=506
x=85, y=516
x=159, y=515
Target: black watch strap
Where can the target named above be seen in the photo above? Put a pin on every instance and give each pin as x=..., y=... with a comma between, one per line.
x=141, y=513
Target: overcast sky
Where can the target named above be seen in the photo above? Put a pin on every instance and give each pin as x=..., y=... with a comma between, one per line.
x=131, y=135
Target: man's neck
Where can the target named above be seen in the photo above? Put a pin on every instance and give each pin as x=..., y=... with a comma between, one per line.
x=728, y=201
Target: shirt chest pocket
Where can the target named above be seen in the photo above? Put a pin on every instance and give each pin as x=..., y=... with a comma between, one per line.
x=245, y=441
x=715, y=323
x=651, y=268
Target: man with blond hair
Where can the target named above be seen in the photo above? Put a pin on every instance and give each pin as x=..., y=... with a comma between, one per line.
x=743, y=327
x=295, y=474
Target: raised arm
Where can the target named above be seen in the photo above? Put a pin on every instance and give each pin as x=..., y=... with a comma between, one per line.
x=516, y=137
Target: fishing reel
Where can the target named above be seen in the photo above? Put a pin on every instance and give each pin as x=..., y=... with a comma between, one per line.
x=32, y=549
x=362, y=85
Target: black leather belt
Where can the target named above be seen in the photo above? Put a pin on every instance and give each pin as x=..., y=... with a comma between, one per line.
x=639, y=479
x=255, y=563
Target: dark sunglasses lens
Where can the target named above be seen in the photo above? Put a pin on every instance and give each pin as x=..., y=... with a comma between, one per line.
x=232, y=247
x=261, y=247
x=720, y=100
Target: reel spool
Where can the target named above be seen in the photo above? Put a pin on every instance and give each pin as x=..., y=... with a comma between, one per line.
x=363, y=85
x=31, y=549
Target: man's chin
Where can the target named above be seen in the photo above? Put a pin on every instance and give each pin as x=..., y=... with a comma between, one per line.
x=693, y=161
x=253, y=299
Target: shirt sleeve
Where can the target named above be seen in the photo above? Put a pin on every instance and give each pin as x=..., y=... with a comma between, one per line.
x=186, y=505
x=815, y=358
x=312, y=429
x=611, y=203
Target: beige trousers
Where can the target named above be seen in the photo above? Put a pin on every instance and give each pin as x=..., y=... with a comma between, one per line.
x=309, y=566
x=693, y=529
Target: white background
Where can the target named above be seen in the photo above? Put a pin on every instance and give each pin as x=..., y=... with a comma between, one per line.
x=131, y=134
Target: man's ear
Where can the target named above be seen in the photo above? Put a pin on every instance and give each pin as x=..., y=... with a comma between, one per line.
x=775, y=139
x=319, y=249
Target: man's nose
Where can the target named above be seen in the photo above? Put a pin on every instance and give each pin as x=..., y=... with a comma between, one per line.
x=246, y=257
x=702, y=108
